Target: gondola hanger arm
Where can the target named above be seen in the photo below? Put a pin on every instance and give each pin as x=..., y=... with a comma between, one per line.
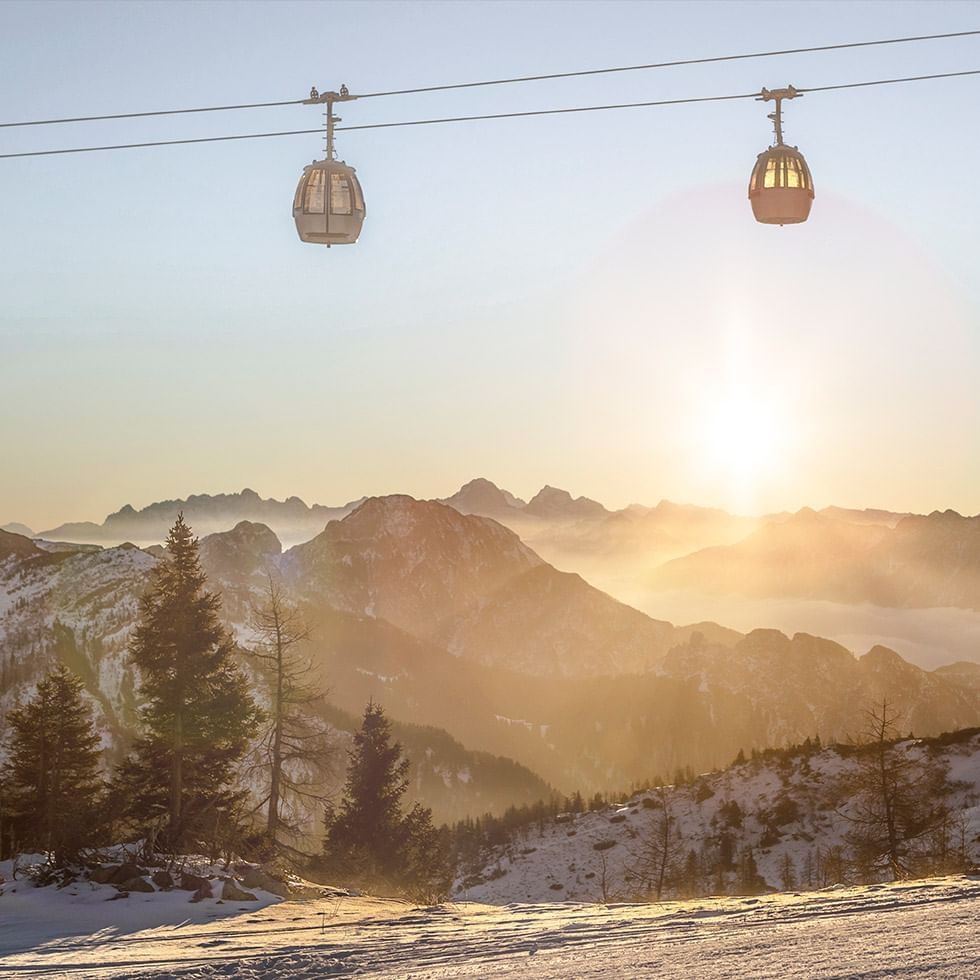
x=319, y=98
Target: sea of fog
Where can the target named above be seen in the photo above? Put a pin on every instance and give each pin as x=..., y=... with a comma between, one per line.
x=926, y=637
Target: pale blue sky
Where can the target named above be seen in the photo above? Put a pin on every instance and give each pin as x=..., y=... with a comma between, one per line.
x=582, y=300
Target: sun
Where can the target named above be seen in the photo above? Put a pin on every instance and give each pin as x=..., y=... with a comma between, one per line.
x=743, y=435
x=743, y=441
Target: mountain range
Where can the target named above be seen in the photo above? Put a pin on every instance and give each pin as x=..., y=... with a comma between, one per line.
x=293, y=519
x=836, y=554
x=451, y=621
x=919, y=561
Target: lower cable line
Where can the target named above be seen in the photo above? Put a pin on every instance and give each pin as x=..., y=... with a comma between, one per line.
x=492, y=116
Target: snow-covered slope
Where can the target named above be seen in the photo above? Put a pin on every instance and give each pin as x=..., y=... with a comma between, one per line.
x=791, y=812
x=922, y=930
x=80, y=607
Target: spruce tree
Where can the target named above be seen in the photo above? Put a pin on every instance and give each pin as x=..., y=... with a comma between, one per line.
x=368, y=838
x=750, y=882
x=365, y=834
x=51, y=780
x=197, y=713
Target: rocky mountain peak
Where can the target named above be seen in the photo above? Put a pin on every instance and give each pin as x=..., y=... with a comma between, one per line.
x=482, y=496
x=554, y=502
x=395, y=514
x=246, y=553
x=882, y=658
x=247, y=537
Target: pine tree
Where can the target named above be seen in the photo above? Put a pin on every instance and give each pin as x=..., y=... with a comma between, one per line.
x=51, y=780
x=295, y=751
x=750, y=882
x=198, y=715
x=365, y=835
x=787, y=872
x=427, y=868
x=809, y=870
x=368, y=838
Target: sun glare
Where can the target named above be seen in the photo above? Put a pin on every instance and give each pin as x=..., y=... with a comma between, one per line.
x=743, y=440
x=742, y=435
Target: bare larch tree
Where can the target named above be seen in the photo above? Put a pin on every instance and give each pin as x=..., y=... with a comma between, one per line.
x=295, y=749
x=897, y=799
x=660, y=850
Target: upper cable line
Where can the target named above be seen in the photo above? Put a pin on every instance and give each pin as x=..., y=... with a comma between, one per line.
x=716, y=59
x=491, y=116
x=713, y=59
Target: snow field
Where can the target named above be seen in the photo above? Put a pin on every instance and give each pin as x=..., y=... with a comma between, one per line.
x=924, y=929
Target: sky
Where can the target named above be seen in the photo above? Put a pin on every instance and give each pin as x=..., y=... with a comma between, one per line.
x=581, y=300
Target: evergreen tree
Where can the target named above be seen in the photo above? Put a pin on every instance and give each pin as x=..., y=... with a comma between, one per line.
x=750, y=882
x=809, y=877
x=787, y=872
x=690, y=878
x=427, y=869
x=368, y=838
x=51, y=780
x=198, y=715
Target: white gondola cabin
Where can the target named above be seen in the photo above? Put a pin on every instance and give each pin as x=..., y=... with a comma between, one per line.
x=328, y=206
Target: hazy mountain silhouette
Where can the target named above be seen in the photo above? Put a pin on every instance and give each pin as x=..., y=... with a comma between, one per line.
x=16, y=528
x=921, y=561
x=480, y=496
x=292, y=519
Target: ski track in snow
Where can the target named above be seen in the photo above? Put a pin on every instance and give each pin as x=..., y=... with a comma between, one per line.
x=918, y=929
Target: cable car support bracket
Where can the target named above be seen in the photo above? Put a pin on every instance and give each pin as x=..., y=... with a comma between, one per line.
x=777, y=95
x=328, y=99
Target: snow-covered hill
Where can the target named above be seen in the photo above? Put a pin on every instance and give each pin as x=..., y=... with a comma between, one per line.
x=790, y=811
